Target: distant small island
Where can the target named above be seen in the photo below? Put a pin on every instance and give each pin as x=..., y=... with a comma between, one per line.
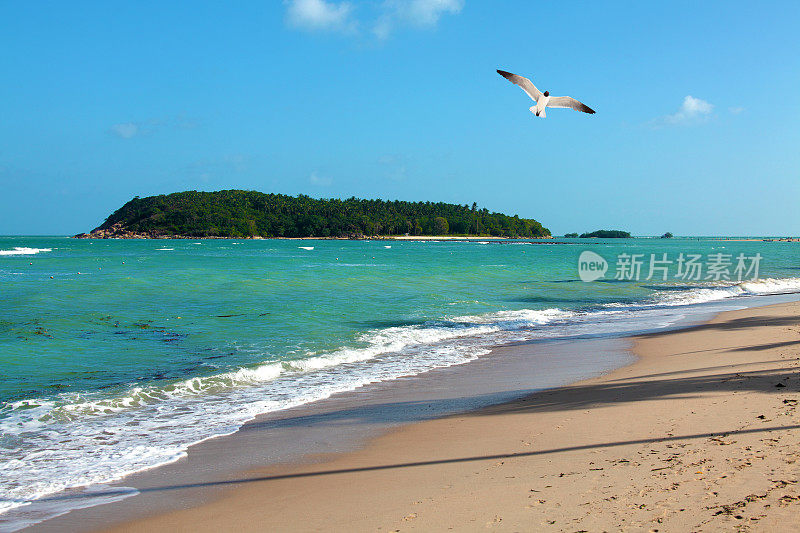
x=600, y=234
x=250, y=214
x=607, y=234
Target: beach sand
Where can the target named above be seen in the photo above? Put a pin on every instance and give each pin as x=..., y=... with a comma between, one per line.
x=701, y=433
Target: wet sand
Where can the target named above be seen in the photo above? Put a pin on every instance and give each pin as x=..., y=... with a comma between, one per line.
x=702, y=433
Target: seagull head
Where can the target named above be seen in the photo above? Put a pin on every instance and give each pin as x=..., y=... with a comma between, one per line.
x=547, y=93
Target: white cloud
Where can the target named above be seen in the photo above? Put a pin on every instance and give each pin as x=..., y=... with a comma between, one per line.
x=322, y=181
x=736, y=110
x=415, y=13
x=320, y=15
x=128, y=130
x=424, y=12
x=384, y=17
x=691, y=111
x=383, y=27
x=125, y=130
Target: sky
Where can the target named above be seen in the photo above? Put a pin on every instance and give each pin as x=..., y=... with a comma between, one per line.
x=696, y=130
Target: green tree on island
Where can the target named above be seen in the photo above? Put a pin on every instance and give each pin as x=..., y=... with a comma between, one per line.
x=239, y=214
x=440, y=226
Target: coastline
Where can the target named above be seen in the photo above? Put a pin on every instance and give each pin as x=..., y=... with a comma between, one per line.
x=546, y=239
x=572, y=428
x=468, y=238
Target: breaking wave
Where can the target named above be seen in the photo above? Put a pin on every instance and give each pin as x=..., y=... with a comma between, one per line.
x=21, y=250
x=73, y=440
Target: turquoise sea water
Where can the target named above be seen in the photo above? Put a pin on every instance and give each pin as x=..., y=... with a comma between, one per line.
x=116, y=355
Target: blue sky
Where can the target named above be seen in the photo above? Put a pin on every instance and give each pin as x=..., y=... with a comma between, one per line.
x=696, y=130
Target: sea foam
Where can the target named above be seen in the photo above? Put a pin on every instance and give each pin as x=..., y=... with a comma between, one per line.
x=721, y=290
x=21, y=250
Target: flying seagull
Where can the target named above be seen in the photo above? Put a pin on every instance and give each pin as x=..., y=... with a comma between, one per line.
x=544, y=100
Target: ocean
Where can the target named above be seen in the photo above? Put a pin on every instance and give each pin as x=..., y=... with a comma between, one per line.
x=117, y=355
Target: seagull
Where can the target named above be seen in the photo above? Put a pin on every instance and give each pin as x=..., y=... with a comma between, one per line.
x=544, y=100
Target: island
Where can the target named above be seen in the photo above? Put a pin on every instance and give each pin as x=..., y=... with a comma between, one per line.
x=606, y=234
x=250, y=214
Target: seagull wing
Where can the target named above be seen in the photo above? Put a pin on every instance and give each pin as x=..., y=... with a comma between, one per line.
x=526, y=84
x=568, y=101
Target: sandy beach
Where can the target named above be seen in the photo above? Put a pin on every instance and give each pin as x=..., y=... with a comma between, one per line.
x=395, y=265
x=701, y=433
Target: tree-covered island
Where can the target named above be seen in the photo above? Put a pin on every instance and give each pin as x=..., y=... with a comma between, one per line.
x=243, y=214
x=607, y=234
